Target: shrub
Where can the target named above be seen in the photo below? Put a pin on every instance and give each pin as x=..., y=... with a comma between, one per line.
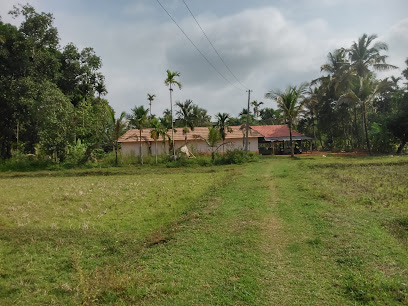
x=238, y=157
x=76, y=153
x=98, y=154
x=24, y=162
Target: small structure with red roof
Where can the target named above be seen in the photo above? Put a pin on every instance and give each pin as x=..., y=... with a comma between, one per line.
x=275, y=137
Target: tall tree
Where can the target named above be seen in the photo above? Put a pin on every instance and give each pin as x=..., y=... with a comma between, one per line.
x=186, y=116
x=150, y=98
x=364, y=93
x=365, y=53
x=270, y=116
x=309, y=110
x=185, y=113
x=169, y=81
x=290, y=103
x=200, y=116
x=138, y=120
x=55, y=117
x=256, y=106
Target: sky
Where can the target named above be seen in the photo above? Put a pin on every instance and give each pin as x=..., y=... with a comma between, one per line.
x=268, y=45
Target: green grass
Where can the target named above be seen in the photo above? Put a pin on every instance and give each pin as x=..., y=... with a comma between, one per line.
x=56, y=231
x=312, y=230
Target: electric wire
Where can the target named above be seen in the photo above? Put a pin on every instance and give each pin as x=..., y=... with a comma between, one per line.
x=213, y=46
x=202, y=54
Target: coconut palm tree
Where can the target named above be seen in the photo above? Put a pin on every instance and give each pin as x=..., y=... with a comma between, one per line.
x=185, y=113
x=186, y=116
x=169, y=81
x=256, y=106
x=270, y=116
x=363, y=54
x=309, y=111
x=150, y=98
x=201, y=118
x=138, y=120
x=364, y=94
x=119, y=127
x=339, y=72
x=223, y=127
x=290, y=102
x=100, y=87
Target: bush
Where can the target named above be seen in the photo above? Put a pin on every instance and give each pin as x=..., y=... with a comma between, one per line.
x=98, y=154
x=76, y=153
x=238, y=157
x=25, y=162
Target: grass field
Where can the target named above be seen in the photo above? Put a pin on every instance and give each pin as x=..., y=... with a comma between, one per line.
x=312, y=230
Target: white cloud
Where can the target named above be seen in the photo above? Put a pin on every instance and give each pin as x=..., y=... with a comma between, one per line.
x=263, y=47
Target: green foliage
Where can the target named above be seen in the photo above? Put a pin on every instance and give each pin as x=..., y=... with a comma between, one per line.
x=237, y=157
x=55, y=128
x=270, y=116
x=380, y=138
x=48, y=93
x=118, y=127
x=223, y=125
x=171, y=79
x=98, y=154
x=23, y=162
x=76, y=153
x=290, y=103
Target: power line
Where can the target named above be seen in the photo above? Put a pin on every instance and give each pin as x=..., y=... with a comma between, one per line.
x=202, y=54
x=213, y=46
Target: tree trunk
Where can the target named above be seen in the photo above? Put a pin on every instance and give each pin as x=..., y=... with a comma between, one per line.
x=314, y=133
x=366, y=129
x=356, y=127
x=18, y=130
x=292, y=153
x=155, y=149
x=116, y=153
x=140, y=152
x=404, y=140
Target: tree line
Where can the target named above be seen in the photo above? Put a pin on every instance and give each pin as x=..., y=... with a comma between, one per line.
x=52, y=100
x=350, y=108
x=51, y=97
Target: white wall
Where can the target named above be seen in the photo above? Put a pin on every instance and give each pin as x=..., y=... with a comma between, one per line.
x=195, y=146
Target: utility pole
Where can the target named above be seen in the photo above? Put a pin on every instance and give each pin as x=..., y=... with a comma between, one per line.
x=247, y=123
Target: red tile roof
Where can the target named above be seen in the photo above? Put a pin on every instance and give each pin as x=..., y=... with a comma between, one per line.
x=274, y=130
x=237, y=133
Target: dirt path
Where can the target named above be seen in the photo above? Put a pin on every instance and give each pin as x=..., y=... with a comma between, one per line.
x=295, y=268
